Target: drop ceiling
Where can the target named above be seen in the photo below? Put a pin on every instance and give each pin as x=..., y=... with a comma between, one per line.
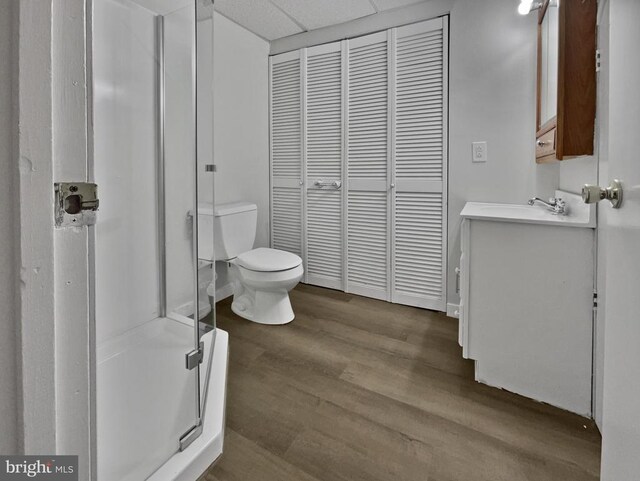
x=274, y=19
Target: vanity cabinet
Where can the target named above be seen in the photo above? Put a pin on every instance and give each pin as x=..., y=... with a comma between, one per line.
x=566, y=80
x=526, y=300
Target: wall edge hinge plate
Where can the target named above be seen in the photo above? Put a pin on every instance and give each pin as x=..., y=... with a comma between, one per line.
x=194, y=358
x=598, y=60
x=76, y=203
x=190, y=436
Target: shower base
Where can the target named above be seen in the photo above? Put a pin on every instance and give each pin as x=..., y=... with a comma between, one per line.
x=146, y=401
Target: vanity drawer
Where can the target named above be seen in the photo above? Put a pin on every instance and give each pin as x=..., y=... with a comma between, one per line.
x=546, y=145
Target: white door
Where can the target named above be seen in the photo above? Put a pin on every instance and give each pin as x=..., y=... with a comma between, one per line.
x=419, y=168
x=323, y=158
x=286, y=152
x=369, y=113
x=621, y=404
x=368, y=167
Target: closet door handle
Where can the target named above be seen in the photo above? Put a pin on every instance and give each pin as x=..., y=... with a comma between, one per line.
x=336, y=184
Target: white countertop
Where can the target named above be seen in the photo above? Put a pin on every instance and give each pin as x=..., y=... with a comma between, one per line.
x=578, y=214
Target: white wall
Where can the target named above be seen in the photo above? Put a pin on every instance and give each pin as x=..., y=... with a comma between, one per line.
x=8, y=267
x=241, y=123
x=492, y=98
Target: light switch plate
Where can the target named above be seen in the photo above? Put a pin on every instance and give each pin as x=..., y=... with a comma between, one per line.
x=478, y=151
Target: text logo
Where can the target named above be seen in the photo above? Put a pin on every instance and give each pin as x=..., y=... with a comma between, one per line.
x=50, y=468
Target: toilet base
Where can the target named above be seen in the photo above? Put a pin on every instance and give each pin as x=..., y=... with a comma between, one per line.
x=263, y=307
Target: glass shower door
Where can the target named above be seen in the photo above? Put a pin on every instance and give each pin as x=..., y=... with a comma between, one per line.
x=146, y=296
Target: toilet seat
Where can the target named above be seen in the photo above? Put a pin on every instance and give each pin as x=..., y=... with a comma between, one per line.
x=264, y=259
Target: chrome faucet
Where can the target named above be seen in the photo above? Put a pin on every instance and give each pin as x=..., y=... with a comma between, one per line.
x=557, y=206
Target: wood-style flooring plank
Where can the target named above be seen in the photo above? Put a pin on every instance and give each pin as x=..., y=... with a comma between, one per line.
x=360, y=389
x=243, y=460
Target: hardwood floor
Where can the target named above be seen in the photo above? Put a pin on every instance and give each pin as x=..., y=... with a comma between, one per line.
x=356, y=389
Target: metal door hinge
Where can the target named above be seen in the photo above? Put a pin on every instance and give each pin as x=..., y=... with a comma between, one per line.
x=76, y=203
x=598, y=62
x=190, y=436
x=194, y=358
x=595, y=300
x=210, y=168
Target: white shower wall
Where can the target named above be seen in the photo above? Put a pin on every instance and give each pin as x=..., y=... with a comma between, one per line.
x=180, y=154
x=126, y=143
x=125, y=167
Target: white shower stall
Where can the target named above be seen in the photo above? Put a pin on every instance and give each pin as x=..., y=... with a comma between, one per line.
x=161, y=373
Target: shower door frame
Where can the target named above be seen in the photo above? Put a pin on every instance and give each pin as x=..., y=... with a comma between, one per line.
x=56, y=338
x=196, y=355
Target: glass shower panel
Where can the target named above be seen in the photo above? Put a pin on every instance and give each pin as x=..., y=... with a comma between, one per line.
x=179, y=135
x=144, y=120
x=204, y=116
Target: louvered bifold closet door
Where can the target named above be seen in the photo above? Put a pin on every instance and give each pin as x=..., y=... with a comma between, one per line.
x=368, y=162
x=420, y=158
x=324, y=161
x=286, y=153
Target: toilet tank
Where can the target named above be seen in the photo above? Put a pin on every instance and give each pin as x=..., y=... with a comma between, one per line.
x=226, y=230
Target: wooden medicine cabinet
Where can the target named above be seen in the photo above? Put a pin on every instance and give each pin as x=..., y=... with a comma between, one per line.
x=566, y=84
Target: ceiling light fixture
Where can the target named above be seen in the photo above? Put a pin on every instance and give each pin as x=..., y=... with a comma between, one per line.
x=526, y=6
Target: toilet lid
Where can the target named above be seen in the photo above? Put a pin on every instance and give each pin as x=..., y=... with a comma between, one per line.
x=268, y=260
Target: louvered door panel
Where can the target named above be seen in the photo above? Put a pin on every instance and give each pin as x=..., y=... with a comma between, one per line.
x=367, y=243
x=363, y=125
x=420, y=166
x=324, y=161
x=286, y=219
x=286, y=153
x=418, y=246
x=368, y=108
x=324, y=113
x=368, y=166
x=324, y=238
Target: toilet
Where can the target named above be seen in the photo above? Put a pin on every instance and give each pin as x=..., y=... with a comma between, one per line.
x=262, y=277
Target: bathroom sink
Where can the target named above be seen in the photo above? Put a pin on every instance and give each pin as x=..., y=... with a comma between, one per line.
x=578, y=213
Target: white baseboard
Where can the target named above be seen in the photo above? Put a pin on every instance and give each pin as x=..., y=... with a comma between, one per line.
x=224, y=292
x=452, y=310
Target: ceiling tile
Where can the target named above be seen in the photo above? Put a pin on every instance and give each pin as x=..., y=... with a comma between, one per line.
x=314, y=14
x=163, y=7
x=259, y=16
x=390, y=4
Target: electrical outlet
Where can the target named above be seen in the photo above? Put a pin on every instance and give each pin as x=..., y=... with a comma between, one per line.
x=478, y=151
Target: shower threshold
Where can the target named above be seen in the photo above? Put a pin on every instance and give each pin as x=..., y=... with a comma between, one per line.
x=146, y=399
